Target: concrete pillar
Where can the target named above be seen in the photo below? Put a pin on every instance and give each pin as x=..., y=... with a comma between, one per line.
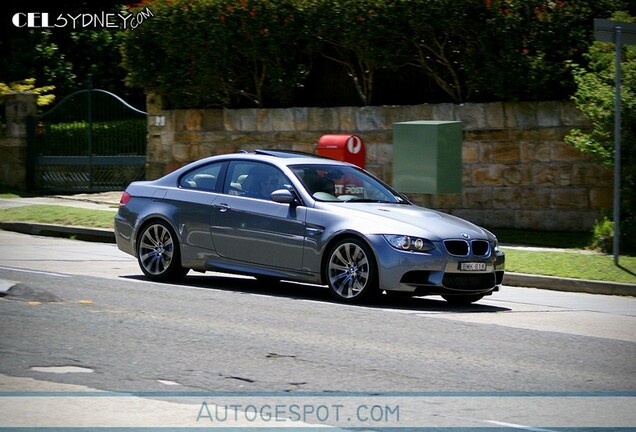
x=13, y=148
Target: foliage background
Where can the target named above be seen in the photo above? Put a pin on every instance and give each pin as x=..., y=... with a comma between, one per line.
x=63, y=57
x=595, y=97
x=273, y=53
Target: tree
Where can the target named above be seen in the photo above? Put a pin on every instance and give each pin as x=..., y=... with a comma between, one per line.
x=595, y=97
x=64, y=56
x=28, y=86
x=363, y=36
x=219, y=52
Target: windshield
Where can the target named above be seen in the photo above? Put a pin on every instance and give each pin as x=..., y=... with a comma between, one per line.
x=344, y=184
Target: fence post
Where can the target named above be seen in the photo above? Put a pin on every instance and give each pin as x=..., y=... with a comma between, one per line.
x=89, y=130
x=13, y=148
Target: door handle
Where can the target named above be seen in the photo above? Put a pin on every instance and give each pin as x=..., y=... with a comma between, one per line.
x=222, y=207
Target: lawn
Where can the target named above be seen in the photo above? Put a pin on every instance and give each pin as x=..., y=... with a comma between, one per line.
x=571, y=264
x=60, y=215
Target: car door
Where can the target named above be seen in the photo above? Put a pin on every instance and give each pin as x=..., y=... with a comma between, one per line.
x=198, y=189
x=249, y=227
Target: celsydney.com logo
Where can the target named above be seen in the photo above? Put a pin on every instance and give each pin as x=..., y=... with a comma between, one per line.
x=81, y=21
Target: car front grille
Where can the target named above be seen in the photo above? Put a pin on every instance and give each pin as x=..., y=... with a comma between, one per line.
x=463, y=247
x=480, y=247
x=469, y=282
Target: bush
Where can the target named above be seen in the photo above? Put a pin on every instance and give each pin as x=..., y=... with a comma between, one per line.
x=120, y=137
x=595, y=97
x=219, y=52
x=603, y=239
x=269, y=53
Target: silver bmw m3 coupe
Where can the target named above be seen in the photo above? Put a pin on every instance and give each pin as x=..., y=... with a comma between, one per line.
x=280, y=215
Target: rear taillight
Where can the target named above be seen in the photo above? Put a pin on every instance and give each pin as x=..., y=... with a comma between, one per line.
x=125, y=198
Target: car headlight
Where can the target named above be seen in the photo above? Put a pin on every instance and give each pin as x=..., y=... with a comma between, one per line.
x=406, y=243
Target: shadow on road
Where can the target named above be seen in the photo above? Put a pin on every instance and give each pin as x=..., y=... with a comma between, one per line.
x=301, y=291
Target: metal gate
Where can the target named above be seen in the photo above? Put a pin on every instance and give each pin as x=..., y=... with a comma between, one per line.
x=91, y=141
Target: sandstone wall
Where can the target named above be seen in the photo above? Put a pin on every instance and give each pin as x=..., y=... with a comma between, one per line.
x=518, y=171
x=13, y=145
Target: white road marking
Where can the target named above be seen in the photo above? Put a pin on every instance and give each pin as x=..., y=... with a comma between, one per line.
x=33, y=271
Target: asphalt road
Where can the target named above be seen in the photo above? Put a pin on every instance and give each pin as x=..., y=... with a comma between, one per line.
x=86, y=306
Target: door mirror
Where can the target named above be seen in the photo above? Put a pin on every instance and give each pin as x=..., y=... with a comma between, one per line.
x=283, y=196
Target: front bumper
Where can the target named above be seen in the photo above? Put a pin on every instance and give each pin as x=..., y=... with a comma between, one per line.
x=436, y=272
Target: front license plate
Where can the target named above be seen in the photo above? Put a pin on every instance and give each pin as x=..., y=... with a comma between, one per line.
x=472, y=266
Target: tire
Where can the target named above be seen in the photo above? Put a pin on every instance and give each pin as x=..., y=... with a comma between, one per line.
x=351, y=272
x=462, y=300
x=158, y=253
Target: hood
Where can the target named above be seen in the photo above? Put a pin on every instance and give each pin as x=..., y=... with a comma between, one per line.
x=412, y=220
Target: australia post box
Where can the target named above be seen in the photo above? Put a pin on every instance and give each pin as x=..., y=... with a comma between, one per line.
x=347, y=148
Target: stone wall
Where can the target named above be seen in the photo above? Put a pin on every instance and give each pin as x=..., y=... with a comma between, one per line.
x=13, y=145
x=518, y=171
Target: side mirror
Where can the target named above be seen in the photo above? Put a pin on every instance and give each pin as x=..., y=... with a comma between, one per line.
x=283, y=196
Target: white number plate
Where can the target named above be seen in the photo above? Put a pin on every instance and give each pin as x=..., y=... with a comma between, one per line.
x=472, y=266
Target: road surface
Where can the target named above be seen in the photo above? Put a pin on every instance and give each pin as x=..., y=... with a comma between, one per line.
x=80, y=317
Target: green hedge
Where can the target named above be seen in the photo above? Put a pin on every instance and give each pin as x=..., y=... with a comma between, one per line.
x=120, y=137
x=269, y=53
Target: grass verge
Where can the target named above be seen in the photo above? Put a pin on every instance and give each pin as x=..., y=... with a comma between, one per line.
x=60, y=215
x=571, y=264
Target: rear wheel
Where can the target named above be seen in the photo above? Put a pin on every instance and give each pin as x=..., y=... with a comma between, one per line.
x=462, y=300
x=351, y=272
x=158, y=253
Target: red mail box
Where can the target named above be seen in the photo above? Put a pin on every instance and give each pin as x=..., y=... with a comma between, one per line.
x=347, y=148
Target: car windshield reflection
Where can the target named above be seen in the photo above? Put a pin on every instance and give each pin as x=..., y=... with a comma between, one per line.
x=344, y=184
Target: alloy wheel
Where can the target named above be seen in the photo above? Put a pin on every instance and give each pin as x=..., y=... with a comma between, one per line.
x=349, y=270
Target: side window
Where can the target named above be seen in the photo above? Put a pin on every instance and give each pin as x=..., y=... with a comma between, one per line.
x=205, y=178
x=254, y=180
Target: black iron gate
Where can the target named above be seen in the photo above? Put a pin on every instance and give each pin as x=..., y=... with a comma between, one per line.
x=91, y=141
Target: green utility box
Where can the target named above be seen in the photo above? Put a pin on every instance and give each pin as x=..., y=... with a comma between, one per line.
x=427, y=157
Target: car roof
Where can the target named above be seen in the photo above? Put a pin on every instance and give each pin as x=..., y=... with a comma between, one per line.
x=288, y=154
x=276, y=157
x=287, y=157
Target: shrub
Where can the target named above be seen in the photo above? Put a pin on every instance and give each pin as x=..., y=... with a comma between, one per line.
x=603, y=239
x=526, y=46
x=237, y=53
x=120, y=137
x=218, y=52
x=595, y=97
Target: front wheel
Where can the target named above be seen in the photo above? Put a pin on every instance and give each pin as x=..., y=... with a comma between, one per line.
x=351, y=272
x=158, y=253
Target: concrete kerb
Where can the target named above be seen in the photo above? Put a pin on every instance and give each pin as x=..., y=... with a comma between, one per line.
x=110, y=200
x=96, y=201
x=569, y=284
x=102, y=235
